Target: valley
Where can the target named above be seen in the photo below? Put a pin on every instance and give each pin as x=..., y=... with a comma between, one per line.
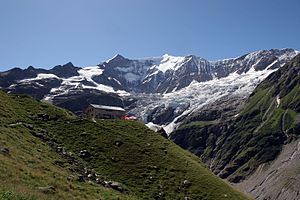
x=239, y=115
x=49, y=153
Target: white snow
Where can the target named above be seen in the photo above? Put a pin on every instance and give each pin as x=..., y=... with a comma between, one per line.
x=198, y=94
x=89, y=72
x=112, y=58
x=152, y=74
x=273, y=63
x=256, y=63
x=170, y=62
x=134, y=73
x=110, y=78
x=173, y=125
x=288, y=55
x=117, y=81
x=40, y=77
x=47, y=98
x=122, y=93
x=153, y=127
x=278, y=101
x=101, y=87
x=75, y=82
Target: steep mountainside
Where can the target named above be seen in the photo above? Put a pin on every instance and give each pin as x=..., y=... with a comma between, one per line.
x=269, y=121
x=48, y=153
x=279, y=179
x=161, y=90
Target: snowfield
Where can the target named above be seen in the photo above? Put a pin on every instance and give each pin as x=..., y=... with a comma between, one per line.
x=170, y=63
x=75, y=82
x=198, y=94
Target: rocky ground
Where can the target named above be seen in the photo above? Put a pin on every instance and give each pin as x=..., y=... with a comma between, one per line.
x=279, y=179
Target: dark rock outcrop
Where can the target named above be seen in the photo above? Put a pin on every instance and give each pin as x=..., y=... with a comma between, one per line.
x=161, y=115
x=65, y=71
x=4, y=150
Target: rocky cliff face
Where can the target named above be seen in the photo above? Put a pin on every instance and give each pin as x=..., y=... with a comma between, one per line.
x=279, y=179
x=169, y=73
x=265, y=127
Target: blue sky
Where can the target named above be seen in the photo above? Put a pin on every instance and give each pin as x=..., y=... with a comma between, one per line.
x=45, y=33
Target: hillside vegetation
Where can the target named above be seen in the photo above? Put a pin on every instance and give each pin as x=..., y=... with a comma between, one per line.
x=48, y=153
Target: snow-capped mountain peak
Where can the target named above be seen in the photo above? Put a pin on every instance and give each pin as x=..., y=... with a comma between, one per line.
x=171, y=86
x=116, y=58
x=170, y=62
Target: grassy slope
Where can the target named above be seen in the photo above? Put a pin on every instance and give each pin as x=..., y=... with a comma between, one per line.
x=30, y=163
x=146, y=164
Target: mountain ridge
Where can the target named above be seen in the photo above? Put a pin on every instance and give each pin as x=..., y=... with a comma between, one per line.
x=129, y=81
x=153, y=63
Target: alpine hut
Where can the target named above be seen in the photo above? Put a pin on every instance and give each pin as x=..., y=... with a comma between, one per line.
x=105, y=112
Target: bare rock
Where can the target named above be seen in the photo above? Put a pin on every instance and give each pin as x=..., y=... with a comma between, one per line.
x=47, y=190
x=187, y=183
x=15, y=124
x=4, y=150
x=118, y=143
x=116, y=186
x=81, y=178
x=84, y=154
x=71, y=178
x=29, y=126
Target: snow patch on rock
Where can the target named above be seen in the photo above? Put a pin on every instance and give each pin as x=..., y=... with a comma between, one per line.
x=278, y=101
x=170, y=63
x=40, y=77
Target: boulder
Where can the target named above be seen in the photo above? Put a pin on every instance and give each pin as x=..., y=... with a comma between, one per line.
x=84, y=154
x=4, y=150
x=187, y=183
x=118, y=143
x=47, y=190
x=29, y=126
x=91, y=174
x=71, y=178
x=15, y=124
x=116, y=186
x=43, y=117
x=41, y=136
x=81, y=178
